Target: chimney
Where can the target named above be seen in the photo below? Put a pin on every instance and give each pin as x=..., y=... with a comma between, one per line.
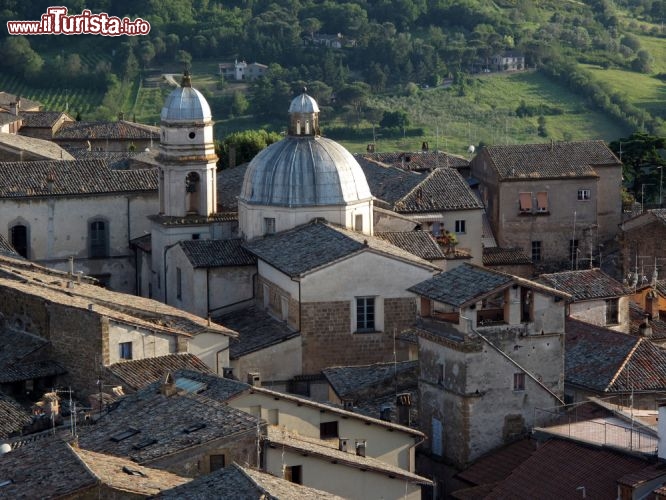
x=645, y=328
x=385, y=413
x=652, y=304
x=404, y=404
x=343, y=444
x=360, y=447
x=348, y=404
x=168, y=387
x=71, y=265
x=661, y=431
x=254, y=379
x=228, y=372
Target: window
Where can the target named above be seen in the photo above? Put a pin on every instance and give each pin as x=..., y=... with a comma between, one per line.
x=328, y=430
x=542, y=202
x=19, y=239
x=525, y=200
x=460, y=227
x=365, y=314
x=125, y=350
x=584, y=194
x=518, y=381
x=358, y=223
x=612, y=311
x=274, y=416
x=294, y=473
x=536, y=251
x=269, y=225
x=573, y=251
x=440, y=373
x=98, y=237
x=179, y=284
x=216, y=462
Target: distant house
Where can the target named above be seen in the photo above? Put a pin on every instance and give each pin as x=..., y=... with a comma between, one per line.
x=331, y=41
x=556, y=201
x=240, y=70
x=642, y=242
x=42, y=124
x=508, y=61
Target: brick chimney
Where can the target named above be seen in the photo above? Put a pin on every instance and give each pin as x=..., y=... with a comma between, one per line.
x=652, y=304
x=404, y=404
x=645, y=329
x=168, y=387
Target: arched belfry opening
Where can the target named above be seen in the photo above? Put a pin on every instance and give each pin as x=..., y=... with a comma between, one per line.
x=304, y=116
x=192, y=192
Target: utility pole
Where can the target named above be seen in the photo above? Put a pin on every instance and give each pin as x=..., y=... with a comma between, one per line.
x=643, y=196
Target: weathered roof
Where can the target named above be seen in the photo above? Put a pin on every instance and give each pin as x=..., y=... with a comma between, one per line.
x=30, y=370
x=229, y=185
x=281, y=438
x=557, y=468
x=497, y=256
x=33, y=147
x=347, y=381
x=256, y=330
x=139, y=373
x=242, y=483
x=41, y=119
x=7, y=249
x=129, y=309
x=549, y=161
x=386, y=183
x=303, y=104
x=498, y=464
x=419, y=243
x=588, y=284
x=418, y=160
x=637, y=318
x=217, y=253
x=51, y=468
x=12, y=418
x=442, y=189
x=461, y=284
x=120, y=129
x=115, y=160
x=144, y=242
x=186, y=104
x=78, y=177
x=6, y=118
x=16, y=345
x=302, y=171
x=165, y=420
x=607, y=361
x=6, y=99
x=317, y=244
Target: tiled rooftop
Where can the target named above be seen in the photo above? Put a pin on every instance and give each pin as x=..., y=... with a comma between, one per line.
x=114, y=160
x=387, y=183
x=242, y=483
x=637, y=317
x=6, y=248
x=229, y=185
x=607, y=361
x=217, y=253
x=78, y=177
x=281, y=438
x=550, y=161
x=347, y=381
x=41, y=119
x=6, y=118
x=256, y=330
x=30, y=370
x=317, y=244
x=137, y=374
x=498, y=464
x=6, y=99
x=497, y=256
x=12, y=418
x=107, y=130
x=442, y=189
x=419, y=243
x=461, y=284
x=558, y=468
x=163, y=422
x=418, y=160
x=587, y=284
x=45, y=150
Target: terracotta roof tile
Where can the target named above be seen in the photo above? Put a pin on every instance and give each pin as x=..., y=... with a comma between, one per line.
x=498, y=464
x=442, y=189
x=12, y=418
x=497, y=256
x=217, y=253
x=107, y=130
x=348, y=381
x=558, y=468
x=637, y=317
x=607, y=361
x=33, y=148
x=139, y=373
x=386, y=183
x=41, y=119
x=548, y=161
x=78, y=177
x=419, y=243
x=256, y=330
x=316, y=244
x=585, y=285
x=418, y=160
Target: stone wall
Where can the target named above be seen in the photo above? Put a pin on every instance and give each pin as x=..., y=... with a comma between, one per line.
x=329, y=341
x=275, y=301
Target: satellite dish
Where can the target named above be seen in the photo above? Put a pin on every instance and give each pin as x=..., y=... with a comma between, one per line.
x=471, y=149
x=5, y=448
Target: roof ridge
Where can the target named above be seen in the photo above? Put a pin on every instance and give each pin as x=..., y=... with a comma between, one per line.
x=624, y=363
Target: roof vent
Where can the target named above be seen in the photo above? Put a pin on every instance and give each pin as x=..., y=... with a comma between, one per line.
x=254, y=379
x=360, y=447
x=343, y=444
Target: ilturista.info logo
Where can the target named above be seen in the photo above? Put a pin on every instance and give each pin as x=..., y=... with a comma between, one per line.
x=55, y=21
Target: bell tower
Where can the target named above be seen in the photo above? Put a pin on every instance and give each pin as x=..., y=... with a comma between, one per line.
x=187, y=182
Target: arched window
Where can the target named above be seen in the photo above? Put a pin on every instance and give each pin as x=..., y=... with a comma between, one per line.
x=18, y=235
x=192, y=189
x=98, y=239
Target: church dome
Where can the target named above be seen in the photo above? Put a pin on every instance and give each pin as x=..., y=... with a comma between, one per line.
x=301, y=171
x=186, y=104
x=303, y=104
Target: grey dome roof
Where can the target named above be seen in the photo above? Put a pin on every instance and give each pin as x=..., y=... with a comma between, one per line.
x=303, y=104
x=304, y=171
x=186, y=104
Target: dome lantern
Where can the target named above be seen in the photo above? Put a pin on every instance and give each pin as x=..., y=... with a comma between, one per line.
x=303, y=115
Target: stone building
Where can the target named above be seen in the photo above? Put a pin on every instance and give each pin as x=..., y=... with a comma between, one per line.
x=121, y=135
x=491, y=350
x=556, y=201
x=642, y=243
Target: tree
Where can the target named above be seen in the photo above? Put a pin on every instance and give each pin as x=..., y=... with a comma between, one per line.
x=541, y=129
x=239, y=104
x=245, y=145
x=184, y=58
x=394, y=119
